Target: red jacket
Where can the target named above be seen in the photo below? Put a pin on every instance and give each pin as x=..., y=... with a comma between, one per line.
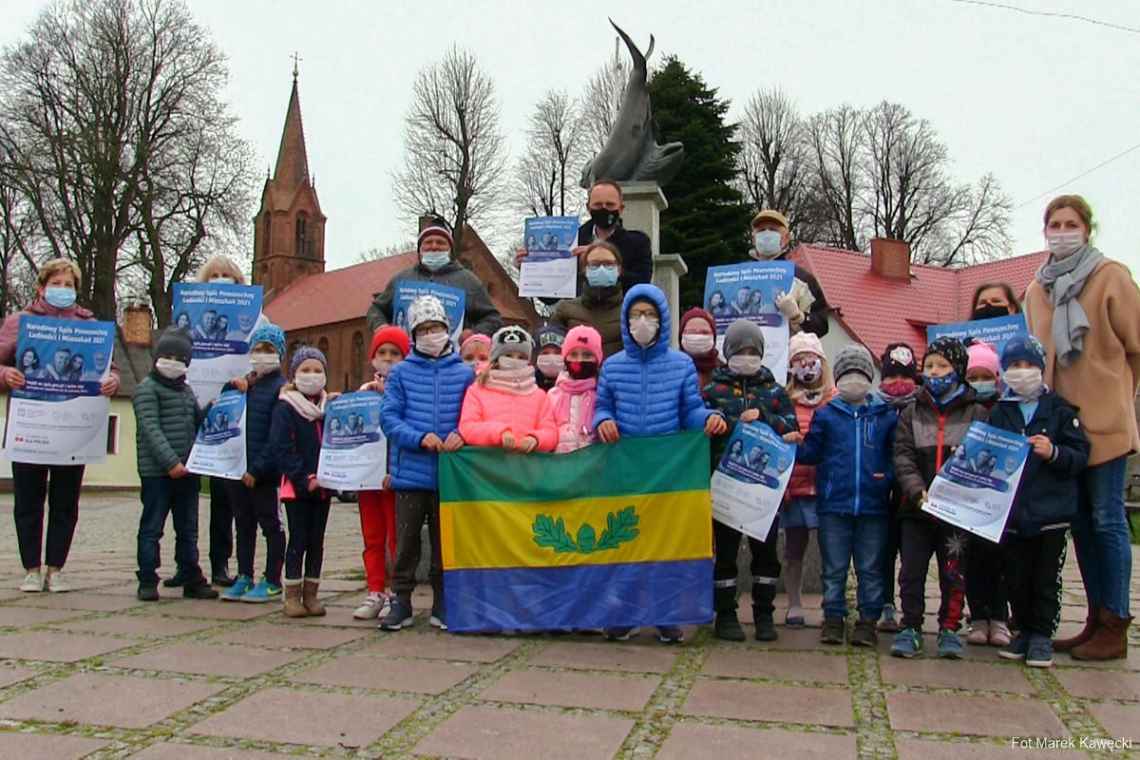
x=10, y=331
x=802, y=482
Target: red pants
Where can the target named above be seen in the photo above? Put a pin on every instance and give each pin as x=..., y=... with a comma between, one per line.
x=378, y=527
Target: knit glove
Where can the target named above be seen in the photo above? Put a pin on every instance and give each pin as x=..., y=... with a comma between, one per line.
x=786, y=303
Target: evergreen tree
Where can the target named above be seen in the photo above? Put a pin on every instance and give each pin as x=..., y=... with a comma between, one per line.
x=707, y=219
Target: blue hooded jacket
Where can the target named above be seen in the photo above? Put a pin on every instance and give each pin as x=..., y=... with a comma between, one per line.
x=649, y=391
x=421, y=395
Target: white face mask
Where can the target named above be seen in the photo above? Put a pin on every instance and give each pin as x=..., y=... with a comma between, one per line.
x=853, y=387
x=697, y=344
x=263, y=363
x=767, y=244
x=1064, y=244
x=223, y=280
x=743, y=364
x=644, y=330
x=432, y=344
x=1025, y=382
x=511, y=362
x=310, y=383
x=171, y=369
x=550, y=364
x=382, y=366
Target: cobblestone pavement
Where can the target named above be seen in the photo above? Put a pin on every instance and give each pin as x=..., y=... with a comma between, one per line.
x=94, y=673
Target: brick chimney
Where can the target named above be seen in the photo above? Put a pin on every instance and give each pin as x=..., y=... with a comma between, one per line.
x=890, y=259
x=138, y=324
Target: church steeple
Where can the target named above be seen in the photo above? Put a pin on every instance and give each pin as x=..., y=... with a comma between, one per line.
x=289, y=229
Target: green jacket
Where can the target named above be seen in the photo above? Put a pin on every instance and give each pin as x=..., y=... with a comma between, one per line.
x=166, y=421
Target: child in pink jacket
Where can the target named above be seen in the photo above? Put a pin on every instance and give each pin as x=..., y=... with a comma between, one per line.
x=504, y=406
x=573, y=395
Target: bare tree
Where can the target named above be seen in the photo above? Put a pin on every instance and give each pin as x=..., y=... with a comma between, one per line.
x=835, y=139
x=455, y=151
x=375, y=253
x=979, y=231
x=17, y=238
x=602, y=101
x=554, y=146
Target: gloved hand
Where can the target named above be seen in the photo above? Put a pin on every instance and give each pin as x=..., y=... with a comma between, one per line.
x=786, y=303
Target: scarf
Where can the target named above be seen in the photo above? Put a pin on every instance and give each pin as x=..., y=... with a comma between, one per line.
x=810, y=397
x=302, y=405
x=950, y=396
x=898, y=402
x=570, y=388
x=177, y=383
x=519, y=382
x=1063, y=280
x=705, y=362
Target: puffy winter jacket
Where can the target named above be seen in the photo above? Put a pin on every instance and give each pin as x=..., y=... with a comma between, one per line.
x=260, y=400
x=422, y=395
x=488, y=413
x=649, y=391
x=295, y=443
x=1047, y=495
x=731, y=394
x=851, y=447
x=480, y=313
x=166, y=422
x=802, y=482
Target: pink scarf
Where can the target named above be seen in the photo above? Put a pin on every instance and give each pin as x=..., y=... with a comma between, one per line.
x=568, y=389
x=519, y=382
x=302, y=405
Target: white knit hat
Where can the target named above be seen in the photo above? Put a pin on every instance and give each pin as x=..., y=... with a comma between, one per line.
x=426, y=308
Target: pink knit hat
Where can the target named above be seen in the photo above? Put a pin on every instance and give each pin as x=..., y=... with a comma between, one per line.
x=805, y=343
x=983, y=356
x=583, y=336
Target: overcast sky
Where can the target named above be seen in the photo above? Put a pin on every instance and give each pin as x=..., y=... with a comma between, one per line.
x=1035, y=100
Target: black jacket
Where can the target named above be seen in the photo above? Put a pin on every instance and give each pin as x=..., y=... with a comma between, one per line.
x=296, y=445
x=1047, y=495
x=480, y=312
x=260, y=401
x=815, y=321
x=636, y=253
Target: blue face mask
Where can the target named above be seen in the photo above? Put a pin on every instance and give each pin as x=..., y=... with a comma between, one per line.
x=985, y=390
x=602, y=277
x=60, y=298
x=435, y=260
x=940, y=386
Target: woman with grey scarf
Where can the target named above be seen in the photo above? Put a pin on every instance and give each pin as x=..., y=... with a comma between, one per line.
x=1085, y=309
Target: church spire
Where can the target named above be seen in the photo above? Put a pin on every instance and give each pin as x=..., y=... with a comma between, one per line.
x=292, y=158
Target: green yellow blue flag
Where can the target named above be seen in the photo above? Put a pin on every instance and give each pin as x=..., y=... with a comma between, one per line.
x=608, y=536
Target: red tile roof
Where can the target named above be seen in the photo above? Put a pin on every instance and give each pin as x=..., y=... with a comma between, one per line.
x=878, y=311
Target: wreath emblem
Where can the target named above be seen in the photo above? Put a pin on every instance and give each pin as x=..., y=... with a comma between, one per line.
x=621, y=527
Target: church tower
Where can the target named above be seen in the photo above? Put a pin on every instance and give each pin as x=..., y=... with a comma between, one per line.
x=289, y=230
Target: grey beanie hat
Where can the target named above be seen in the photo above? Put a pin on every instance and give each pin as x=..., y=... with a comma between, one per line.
x=511, y=338
x=742, y=334
x=174, y=342
x=854, y=358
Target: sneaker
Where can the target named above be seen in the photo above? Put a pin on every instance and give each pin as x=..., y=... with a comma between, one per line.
x=175, y=581
x=263, y=592
x=372, y=607
x=670, y=634
x=235, y=592
x=864, y=634
x=221, y=577
x=437, y=617
x=620, y=634
x=979, y=633
x=33, y=583
x=794, y=618
x=399, y=615
x=148, y=592
x=907, y=644
x=833, y=632
x=1016, y=650
x=1040, y=652
x=55, y=582
x=887, y=621
x=198, y=589
x=949, y=645
x=999, y=634
x=727, y=626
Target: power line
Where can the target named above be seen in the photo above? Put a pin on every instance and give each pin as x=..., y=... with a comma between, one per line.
x=1082, y=175
x=1051, y=14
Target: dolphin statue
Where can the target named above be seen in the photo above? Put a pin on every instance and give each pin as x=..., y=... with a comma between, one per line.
x=631, y=152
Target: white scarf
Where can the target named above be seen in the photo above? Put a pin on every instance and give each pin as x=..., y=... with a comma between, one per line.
x=302, y=405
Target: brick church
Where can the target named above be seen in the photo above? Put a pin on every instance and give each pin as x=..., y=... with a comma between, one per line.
x=327, y=309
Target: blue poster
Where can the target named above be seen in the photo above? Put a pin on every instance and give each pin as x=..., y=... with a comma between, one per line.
x=354, y=451
x=59, y=416
x=550, y=237
x=454, y=303
x=996, y=331
x=220, y=318
x=219, y=448
x=749, y=291
x=975, y=488
x=749, y=482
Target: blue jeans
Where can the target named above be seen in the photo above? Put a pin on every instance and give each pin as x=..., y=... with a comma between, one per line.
x=841, y=539
x=160, y=497
x=1101, y=536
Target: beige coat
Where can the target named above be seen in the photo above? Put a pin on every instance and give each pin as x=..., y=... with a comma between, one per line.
x=1102, y=383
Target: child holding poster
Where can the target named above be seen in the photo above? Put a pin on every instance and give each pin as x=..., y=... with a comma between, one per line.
x=1046, y=498
x=929, y=431
x=295, y=439
x=389, y=346
x=573, y=398
x=745, y=391
x=850, y=441
x=504, y=406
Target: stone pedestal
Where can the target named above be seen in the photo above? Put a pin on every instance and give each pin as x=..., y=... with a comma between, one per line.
x=644, y=203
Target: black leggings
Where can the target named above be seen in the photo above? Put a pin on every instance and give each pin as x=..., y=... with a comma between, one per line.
x=308, y=519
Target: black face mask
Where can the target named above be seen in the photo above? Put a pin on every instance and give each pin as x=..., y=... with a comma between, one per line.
x=581, y=370
x=604, y=218
x=990, y=311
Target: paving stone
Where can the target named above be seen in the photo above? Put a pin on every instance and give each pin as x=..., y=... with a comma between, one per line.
x=138, y=626
x=752, y=701
x=693, y=740
x=338, y=585
x=300, y=717
x=9, y=674
x=1100, y=684
x=88, y=602
x=339, y=617
x=623, y=656
x=211, y=609
x=292, y=636
x=444, y=646
x=486, y=733
x=600, y=692
x=1064, y=660
x=209, y=659
x=44, y=747
x=965, y=675
x=1120, y=721
x=368, y=672
x=19, y=617
x=790, y=639
x=172, y=751
x=922, y=749
x=968, y=714
x=753, y=663
x=108, y=700
x=56, y=647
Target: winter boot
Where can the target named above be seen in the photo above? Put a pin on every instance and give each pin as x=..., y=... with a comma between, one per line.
x=294, y=608
x=727, y=625
x=1108, y=642
x=762, y=608
x=1091, y=623
x=309, y=598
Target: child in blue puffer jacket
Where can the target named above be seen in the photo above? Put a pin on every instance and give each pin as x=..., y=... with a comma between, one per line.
x=851, y=441
x=420, y=415
x=649, y=389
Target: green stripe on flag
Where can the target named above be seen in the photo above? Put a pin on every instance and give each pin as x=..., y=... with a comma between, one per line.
x=661, y=464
